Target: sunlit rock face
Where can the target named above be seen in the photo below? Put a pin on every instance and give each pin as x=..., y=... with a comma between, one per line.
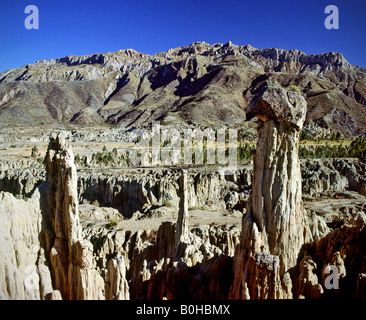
x=275, y=220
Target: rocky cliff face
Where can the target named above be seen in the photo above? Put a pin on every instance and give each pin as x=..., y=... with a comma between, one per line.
x=197, y=84
x=24, y=271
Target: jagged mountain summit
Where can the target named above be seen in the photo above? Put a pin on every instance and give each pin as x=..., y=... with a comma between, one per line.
x=196, y=84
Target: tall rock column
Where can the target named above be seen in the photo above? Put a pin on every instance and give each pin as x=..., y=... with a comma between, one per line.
x=275, y=219
x=182, y=232
x=62, y=206
x=71, y=258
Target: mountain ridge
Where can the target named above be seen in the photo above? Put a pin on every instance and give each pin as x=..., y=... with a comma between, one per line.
x=195, y=84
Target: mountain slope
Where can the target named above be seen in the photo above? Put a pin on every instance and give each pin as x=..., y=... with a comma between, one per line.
x=196, y=84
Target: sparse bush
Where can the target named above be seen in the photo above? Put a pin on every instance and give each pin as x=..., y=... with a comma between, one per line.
x=304, y=135
x=35, y=152
x=245, y=151
x=105, y=157
x=357, y=149
x=197, y=208
x=168, y=204
x=96, y=203
x=294, y=87
x=113, y=223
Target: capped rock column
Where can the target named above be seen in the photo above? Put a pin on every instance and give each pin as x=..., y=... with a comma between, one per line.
x=275, y=219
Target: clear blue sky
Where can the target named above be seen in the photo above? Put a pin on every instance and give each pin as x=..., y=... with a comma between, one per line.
x=85, y=27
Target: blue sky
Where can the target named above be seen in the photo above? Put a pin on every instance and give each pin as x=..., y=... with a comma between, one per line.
x=94, y=26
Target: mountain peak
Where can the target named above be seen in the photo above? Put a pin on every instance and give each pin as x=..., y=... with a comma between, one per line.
x=198, y=84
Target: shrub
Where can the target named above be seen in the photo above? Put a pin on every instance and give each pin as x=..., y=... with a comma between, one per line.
x=304, y=135
x=168, y=204
x=245, y=151
x=112, y=223
x=35, y=152
x=294, y=87
x=357, y=149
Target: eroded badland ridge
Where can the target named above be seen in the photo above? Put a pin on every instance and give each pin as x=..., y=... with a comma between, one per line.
x=197, y=84
x=79, y=220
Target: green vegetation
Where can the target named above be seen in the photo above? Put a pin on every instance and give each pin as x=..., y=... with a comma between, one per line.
x=294, y=87
x=113, y=223
x=291, y=87
x=202, y=208
x=245, y=151
x=108, y=158
x=306, y=135
x=35, y=153
x=357, y=149
x=96, y=203
x=77, y=158
x=168, y=204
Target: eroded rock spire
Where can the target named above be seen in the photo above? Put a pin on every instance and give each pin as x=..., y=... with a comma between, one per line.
x=71, y=257
x=182, y=232
x=273, y=228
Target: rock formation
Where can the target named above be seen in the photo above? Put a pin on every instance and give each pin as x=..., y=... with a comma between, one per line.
x=24, y=272
x=116, y=284
x=273, y=227
x=56, y=244
x=182, y=233
x=199, y=84
x=71, y=257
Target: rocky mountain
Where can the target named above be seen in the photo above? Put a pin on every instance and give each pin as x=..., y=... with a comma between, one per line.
x=196, y=84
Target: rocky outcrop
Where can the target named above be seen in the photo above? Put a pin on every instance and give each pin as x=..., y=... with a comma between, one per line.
x=307, y=285
x=54, y=248
x=344, y=248
x=21, y=182
x=24, y=271
x=116, y=284
x=71, y=257
x=333, y=175
x=131, y=190
x=198, y=84
x=182, y=233
x=273, y=227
